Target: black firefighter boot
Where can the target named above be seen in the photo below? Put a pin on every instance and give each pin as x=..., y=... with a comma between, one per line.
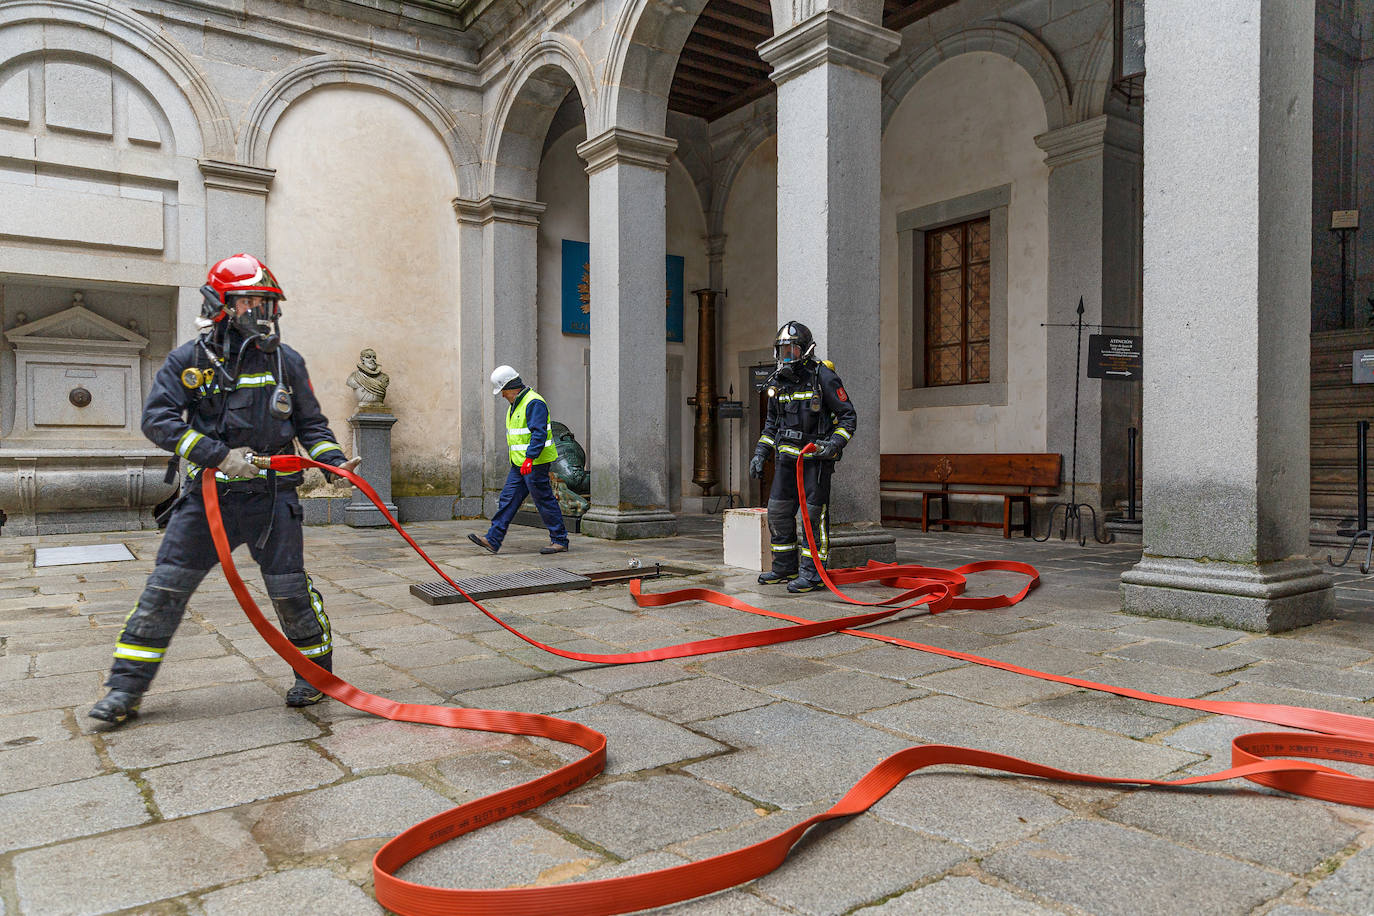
x=303, y=693
x=776, y=577
x=117, y=706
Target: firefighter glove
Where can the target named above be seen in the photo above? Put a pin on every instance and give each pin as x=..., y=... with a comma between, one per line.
x=826, y=450
x=236, y=463
x=756, y=467
x=343, y=483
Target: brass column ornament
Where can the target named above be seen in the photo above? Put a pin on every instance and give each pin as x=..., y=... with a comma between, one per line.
x=704, y=472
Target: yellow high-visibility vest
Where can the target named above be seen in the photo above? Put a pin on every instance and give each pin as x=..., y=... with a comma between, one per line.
x=518, y=433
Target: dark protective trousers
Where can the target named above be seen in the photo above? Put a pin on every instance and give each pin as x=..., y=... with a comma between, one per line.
x=518, y=486
x=783, y=503
x=188, y=553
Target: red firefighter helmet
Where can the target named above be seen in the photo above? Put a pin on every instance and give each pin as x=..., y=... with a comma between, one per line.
x=240, y=274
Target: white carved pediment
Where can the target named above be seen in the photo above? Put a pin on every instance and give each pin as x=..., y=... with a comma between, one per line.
x=75, y=328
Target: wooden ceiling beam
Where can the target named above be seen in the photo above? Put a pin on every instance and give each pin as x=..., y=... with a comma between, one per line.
x=707, y=97
x=739, y=101
x=728, y=82
x=735, y=39
x=721, y=19
x=760, y=18
x=913, y=11
x=701, y=49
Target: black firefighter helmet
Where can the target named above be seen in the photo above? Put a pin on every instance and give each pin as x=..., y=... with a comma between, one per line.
x=793, y=346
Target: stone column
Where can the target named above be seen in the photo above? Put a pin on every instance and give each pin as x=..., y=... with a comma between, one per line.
x=1094, y=254
x=626, y=199
x=507, y=231
x=1227, y=317
x=828, y=70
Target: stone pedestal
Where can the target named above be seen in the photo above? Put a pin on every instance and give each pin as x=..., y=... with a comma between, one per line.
x=371, y=441
x=1228, y=284
x=744, y=534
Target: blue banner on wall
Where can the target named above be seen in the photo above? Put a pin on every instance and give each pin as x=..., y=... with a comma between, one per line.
x=676, y=266
x=577, y=295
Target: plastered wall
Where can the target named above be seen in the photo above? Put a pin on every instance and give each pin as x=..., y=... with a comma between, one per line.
x=969, y=125
x=372, y=263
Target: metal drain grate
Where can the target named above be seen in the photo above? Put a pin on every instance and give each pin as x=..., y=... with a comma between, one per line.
x=500, y=586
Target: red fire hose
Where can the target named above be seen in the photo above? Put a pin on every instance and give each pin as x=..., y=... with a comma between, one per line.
x=1341, y=737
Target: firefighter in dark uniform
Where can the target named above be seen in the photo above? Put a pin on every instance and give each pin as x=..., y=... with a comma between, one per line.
x=234, y=391
x=807, y=403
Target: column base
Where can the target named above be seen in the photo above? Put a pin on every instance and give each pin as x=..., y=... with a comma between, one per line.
x=368, y=516
x=621, y=525
x=1264, y=598
x=855, y=544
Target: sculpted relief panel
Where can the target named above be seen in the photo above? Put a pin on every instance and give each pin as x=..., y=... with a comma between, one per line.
x=83, y=157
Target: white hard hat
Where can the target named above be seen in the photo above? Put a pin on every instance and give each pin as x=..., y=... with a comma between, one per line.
x=501, y=377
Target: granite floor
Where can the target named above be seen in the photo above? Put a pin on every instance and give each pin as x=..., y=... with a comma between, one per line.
x=219, y=799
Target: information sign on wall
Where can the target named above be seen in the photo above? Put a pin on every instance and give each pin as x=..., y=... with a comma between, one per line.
x=1115, y=356
x=1362, y=368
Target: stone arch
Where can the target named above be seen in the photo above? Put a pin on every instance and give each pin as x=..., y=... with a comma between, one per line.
x=1003, y=38
x=740, y=151
x=330, y=70
x=539, y=82
x=131, y=46
x=636, y=77
x=1094, y=83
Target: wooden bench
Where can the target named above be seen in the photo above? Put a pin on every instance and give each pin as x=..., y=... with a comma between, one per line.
x=935, y=478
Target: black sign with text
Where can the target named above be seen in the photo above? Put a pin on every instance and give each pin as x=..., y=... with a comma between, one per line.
x=759, y=375
x=1115, y=356
x=730, y=410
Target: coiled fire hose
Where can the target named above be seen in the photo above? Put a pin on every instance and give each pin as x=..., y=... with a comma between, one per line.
x=1340, y=737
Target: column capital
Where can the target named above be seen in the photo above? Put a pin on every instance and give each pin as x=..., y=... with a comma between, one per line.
x=233, y=176
x=622, y=146
x=493, y=208
x=829, y=37
x=1089, y=139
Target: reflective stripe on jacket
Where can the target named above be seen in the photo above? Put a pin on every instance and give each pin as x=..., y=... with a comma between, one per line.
x=518, y=435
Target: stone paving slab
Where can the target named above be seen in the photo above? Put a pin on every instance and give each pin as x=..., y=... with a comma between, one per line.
x=637, y=741
x=957, y=896
x=959, y=805
x=1112, y=871
x=194, y=738
x=513, y=852
x=841, y=865
x=41, y=816
x=299, y=892
x=43, y=764
x=948, y=720
x=1240, y=825
x=696, y=698
x=1348, y=890
x=373, y=807
x=231, y=780
x=137, y=866
x=793, y=755
x=30, y=728
x=631, y=817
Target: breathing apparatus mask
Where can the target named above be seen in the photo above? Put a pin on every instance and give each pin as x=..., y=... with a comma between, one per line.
x=792, y=347
x=255, y=317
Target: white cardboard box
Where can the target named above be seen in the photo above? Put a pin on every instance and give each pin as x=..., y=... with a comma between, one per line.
x=746, y=539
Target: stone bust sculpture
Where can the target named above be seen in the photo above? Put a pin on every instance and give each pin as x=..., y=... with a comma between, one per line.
x=368, y=381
